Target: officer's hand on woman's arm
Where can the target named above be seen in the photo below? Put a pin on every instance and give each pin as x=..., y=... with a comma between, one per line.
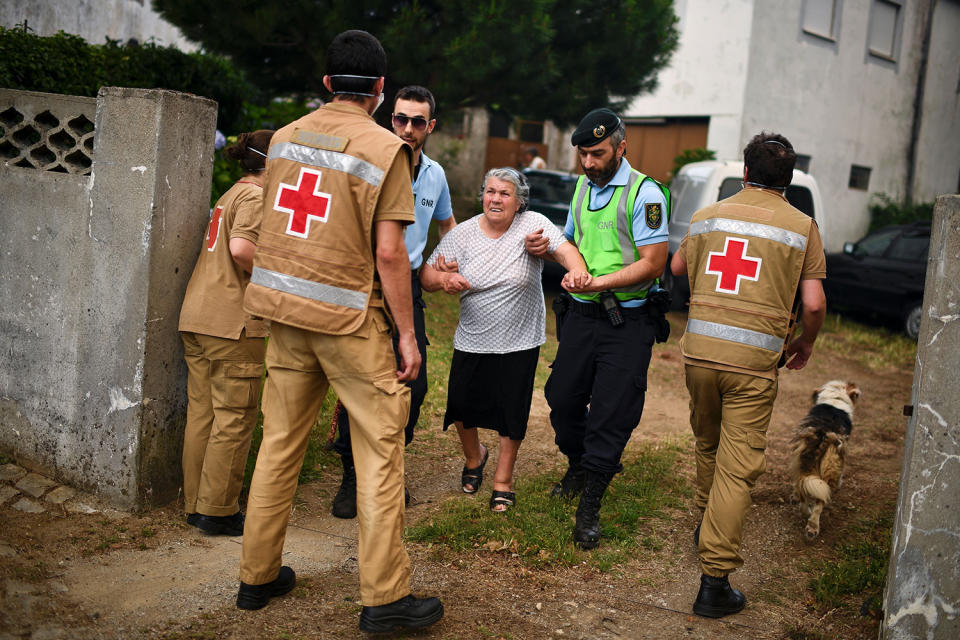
x=650, y=265
x=577, y=277
x=536, y=243
x=434, y=280
x=446, y=267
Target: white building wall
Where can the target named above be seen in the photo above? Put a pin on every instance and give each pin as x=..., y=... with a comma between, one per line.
x=94, y=20
x=708, y=72
x=938, y=150
x=836, y=103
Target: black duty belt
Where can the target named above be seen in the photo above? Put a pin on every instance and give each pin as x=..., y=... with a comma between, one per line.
x=593, y=310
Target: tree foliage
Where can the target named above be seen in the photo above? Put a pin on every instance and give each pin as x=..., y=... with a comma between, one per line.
x=536, y=59
x=66, y=64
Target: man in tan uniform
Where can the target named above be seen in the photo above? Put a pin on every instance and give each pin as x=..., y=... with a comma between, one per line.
x=331, y=260
x=224, y=349
x=749, y=258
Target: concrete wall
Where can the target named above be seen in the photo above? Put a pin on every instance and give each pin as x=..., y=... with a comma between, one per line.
x=93, y=273
x=94, y=20
x=922, y=596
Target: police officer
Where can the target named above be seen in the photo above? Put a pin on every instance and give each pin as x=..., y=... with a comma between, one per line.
x=330, y=263
x=618, y=221
x=413, y=119
x=749, y=259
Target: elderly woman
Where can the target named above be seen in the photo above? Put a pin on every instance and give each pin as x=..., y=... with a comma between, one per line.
x=501, y=327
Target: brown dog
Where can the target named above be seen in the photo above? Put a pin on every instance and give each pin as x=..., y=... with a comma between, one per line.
x=820, y=447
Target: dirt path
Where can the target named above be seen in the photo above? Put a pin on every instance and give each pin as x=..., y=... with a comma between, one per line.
x=127, y=576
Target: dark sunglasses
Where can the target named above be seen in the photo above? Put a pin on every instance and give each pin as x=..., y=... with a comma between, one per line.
x=418, y=122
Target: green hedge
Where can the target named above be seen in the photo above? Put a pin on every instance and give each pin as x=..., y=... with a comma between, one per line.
x=66, y=64
x=884, y=211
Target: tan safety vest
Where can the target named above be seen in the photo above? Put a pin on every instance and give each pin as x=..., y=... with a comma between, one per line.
x=315, y=267
x=744, y=260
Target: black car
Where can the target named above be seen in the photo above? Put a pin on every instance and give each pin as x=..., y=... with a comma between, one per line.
x=883, y=274
x=550, y=194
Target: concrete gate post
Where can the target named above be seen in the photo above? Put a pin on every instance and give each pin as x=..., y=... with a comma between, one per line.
x=95, y=256
x=922, y=596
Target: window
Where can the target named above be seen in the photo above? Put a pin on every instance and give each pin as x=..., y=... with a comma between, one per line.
x=801, y=198
x=803, y=163
x=911, y=246
x=822, y=18
x=859, y=177
x=729, y=187
x=875, y=245
x=529, y=131
x=886, y=17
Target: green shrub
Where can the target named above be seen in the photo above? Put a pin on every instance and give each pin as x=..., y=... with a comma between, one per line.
x=67, y=64
x=884, y=211
x=691, y=155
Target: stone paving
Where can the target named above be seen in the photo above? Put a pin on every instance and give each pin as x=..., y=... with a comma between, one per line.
x=31, y=492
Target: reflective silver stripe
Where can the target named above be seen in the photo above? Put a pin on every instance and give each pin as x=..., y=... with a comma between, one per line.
x=308, y=289
x=328, y=160
x=753, y=229
x=624, y=230
x=578, y=204
x=735, y=334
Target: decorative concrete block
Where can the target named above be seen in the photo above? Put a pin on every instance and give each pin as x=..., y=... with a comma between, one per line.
x=60, y=495
x=11, y=472
x=7, y=492
x=28, y=506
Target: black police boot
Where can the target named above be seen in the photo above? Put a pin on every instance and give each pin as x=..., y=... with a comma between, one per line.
x=572, y=482
x=586, y=532
x=220, y=525
x=717, y=598
x=256, y=596
x=345, y=502
x=405, y=613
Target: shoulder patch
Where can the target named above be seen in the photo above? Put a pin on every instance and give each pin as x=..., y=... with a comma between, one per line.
x=653, y=213
x=319, y=140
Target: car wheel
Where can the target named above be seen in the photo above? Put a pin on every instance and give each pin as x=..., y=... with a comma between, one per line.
x=911, y=321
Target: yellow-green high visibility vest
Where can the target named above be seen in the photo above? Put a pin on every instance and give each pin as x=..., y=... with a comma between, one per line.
x=608, y=244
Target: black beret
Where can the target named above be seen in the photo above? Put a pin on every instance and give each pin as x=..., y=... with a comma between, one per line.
x=595, y=126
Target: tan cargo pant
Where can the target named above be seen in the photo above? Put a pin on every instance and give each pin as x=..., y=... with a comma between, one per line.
x=223, y=389
x=361, y=368
x=729, y=414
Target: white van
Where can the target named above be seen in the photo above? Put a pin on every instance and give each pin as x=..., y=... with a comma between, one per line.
x=699, y=184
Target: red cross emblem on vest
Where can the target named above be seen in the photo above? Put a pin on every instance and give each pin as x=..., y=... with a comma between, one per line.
x=732, y=265
x=213, y=230
x=303, y=202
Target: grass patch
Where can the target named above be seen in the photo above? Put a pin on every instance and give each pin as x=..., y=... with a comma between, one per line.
x=860, y=567
x=538, y=529
x=875, y=347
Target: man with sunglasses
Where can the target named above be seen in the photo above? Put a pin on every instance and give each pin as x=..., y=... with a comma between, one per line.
x=413, y=120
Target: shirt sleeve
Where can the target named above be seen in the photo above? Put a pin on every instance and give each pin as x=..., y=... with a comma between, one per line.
x=568, y=229
x=814, y=262
x=396, y=194
x=443, y=210
x=649, y=198
x=447, y=247
x=246, y=224
x=550, y=231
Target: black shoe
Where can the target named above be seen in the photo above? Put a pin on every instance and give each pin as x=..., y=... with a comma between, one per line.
x=345, y=502
x=405, y=613
x=717, y=598
x=192, y=519
x=586, y=532
x=572, y=482
x=256, y=596
x=220, y=525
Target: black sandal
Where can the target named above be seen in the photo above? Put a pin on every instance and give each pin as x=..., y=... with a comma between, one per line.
x=505, y=499
x=471, y=479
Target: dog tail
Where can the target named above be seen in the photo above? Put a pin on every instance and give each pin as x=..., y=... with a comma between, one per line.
x=815, y=488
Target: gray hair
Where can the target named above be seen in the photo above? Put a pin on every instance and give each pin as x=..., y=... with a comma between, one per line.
x=618, y=136
x=518, y=180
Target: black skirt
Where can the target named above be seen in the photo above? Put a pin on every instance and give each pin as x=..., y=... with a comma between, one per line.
x=492, y=391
